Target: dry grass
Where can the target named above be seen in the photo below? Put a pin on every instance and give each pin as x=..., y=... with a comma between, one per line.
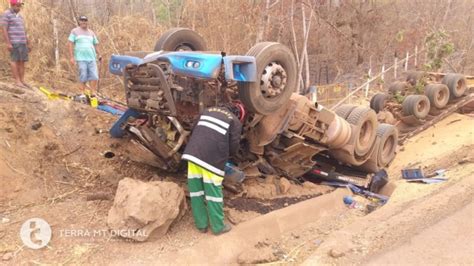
x=232, y=25
x=121, y=34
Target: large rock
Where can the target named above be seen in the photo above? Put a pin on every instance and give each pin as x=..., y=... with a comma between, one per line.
x=142, y=208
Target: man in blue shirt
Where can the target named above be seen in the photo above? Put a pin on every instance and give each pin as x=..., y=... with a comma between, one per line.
x=83, y=53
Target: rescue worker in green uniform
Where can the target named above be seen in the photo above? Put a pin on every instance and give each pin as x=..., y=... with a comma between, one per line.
x=215, y=138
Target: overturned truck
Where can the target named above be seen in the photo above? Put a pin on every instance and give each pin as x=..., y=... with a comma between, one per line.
x=283, y=132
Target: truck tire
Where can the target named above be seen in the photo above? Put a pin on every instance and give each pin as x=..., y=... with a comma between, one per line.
x=378, y=101
x=398, y=86
x=370, y=166
x=277, y=79
x=345, y=110
x=139, y=54
x=366, y=122
x=180, y=39
x=438, y=94
x=388, y=135
x=416, y=105
x=414, y=76
x=456, y=83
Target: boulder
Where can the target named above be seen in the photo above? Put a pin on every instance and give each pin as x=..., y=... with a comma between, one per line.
x=141, y=209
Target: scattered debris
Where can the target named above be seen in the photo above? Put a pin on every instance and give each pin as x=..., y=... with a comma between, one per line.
x=381, y=199
x=371, y=207
x=36, y=125
x=233, y=174
x=99, y=196
x=379, y=180
x=351, y=203
x=417, y=175
x=454, y=121
x=330, y=175
x=144, y=208
x=336, y=253
x=51, y=146
x=412, y=173
x=427, y=180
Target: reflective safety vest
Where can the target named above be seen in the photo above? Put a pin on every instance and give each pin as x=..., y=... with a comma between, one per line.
x=215, y=137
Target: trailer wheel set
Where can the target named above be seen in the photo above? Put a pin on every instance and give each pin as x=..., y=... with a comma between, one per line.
x=422, y=99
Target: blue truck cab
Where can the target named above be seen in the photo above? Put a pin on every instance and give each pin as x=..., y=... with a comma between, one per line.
x=194, y=65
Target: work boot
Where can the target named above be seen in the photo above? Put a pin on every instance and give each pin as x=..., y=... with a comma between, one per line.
x=227, y=228
x=203, y=230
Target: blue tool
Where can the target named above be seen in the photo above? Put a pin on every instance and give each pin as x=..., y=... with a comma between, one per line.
x=233, y=173
x=356, y=190
x=110, y=109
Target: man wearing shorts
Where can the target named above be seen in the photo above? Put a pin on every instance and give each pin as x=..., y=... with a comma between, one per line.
x=83, y=53
x=15, y=36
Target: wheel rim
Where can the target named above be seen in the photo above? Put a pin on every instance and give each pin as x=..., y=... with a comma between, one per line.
x=421, y=106
x=273, y=80
x=388, y=147
x=441, y=95
x=460, y=85
x=183, y=47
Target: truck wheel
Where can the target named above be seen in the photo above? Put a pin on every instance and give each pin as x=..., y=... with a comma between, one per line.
x=438, y=94
x=276, y=71
x=388, y=135
x=416, y=105
x=180, y=39
x=365, y=120
x=414, y=76
x=378, y=101
x=456, y=84
x=345, y=110
x=398, y=86
x=139, y=54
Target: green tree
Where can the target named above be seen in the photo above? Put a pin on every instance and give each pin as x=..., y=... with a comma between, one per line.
x=438, y=45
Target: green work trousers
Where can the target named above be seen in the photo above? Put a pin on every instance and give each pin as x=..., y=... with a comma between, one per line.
x=207, y=200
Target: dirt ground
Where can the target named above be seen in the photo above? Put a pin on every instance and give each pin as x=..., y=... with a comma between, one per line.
x=52, y=160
